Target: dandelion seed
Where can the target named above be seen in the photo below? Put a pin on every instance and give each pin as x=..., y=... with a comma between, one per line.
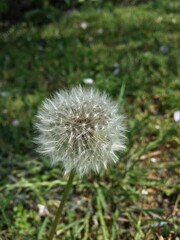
x=177, y=116
x=88, y=81
x=80, y=128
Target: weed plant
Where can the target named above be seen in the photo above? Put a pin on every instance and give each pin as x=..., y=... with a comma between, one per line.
x=130, y=52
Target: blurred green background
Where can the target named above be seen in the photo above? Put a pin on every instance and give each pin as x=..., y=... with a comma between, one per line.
x=130, y=49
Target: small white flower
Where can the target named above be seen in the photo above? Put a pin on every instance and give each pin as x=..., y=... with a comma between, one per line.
x=116, y=68
x=100, y=30
x=88, y=81
x=159, y=19
x=173, y=20
x=80, y=128
x=91, y=39
x=144, y=192
x=15, y=122
x=164, y=49
x=116, y=71
x=154, y=160
x=84, y=25
x=5, y=111
x=4, y=94
x=177, y=116
x=115, y=65
x=42, y=210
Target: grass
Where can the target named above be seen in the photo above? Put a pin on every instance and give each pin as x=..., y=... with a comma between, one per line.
x=130, y=52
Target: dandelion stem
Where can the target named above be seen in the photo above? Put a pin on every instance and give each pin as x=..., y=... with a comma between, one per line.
x=63, y=201
x=101, y=217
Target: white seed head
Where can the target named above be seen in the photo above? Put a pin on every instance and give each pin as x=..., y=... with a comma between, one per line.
x=80, y=128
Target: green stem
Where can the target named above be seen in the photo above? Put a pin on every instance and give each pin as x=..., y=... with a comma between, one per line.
x=63, y=201
x=101, y=217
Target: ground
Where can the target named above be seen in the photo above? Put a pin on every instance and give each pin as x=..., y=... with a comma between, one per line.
x=132, y=54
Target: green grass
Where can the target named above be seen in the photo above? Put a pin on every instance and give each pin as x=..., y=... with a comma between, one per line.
x=121, y=49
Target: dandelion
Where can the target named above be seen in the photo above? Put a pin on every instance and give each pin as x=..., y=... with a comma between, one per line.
x=81, y=129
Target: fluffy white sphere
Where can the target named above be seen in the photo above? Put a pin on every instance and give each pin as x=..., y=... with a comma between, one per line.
x=80, y=128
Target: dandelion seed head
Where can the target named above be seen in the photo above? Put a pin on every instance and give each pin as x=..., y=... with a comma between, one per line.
x=81, y=128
